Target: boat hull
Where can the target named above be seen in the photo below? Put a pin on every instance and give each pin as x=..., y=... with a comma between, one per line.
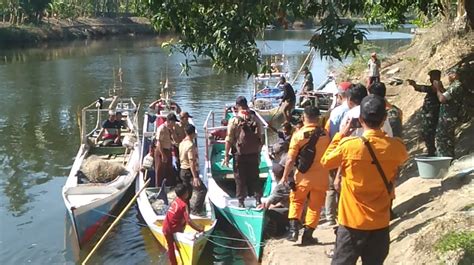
x=250, y=224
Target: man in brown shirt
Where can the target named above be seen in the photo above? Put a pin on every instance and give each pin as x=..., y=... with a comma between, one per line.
x=163, y=158
x=189, y=172
x=243, y=139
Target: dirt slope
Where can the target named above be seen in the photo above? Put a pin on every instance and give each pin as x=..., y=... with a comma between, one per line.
x=428, y=209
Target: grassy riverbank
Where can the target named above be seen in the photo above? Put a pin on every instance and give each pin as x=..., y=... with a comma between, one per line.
x=71, y=29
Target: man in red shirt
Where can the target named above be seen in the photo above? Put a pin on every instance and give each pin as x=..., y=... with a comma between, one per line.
x=176, y=219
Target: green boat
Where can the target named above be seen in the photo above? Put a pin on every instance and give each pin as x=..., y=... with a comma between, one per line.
x=249, y=221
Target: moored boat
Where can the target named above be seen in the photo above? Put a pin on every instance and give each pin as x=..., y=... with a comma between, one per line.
x=89, y=202
x=154, y=201
x=249, y=221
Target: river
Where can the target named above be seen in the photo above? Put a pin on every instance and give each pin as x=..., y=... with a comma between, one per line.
x=41, y=90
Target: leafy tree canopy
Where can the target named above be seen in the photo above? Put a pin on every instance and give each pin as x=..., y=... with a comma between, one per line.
x=226, y=30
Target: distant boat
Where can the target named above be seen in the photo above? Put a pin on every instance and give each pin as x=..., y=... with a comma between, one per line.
x=89, y=204
x=249, y=221
x=189, y=245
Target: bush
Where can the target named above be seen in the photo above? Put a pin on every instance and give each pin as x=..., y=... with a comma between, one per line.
x=458, y=240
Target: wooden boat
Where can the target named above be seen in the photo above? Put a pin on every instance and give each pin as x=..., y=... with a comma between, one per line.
x=221, y=187
x=89, y=204
x=189, y=244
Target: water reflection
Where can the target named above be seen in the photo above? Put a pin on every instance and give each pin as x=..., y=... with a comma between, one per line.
x=41, y=90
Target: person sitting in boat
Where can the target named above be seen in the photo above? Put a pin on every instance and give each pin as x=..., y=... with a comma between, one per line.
x=176, y=219
x=163, y=157
x=274, y=68
x=123, y=124
x=288, y=99
x=110, y=132
x=244, y=139
x=220, y=134
x=285, y=133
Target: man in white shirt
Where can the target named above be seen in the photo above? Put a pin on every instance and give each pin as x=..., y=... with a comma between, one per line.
x=355, y=94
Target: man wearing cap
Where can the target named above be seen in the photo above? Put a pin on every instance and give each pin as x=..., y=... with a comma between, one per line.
x=181, y=126
x=311, y=186
x=374, y=69
x=110, y=132
x=449, y=111
x=245, y=162
x=163, y=159
x=288, y=99
x=429, y=110
x=332, y=127
x=364, y=205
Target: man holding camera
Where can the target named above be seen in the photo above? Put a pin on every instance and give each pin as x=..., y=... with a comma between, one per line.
x=312, y=184
x=369, y=167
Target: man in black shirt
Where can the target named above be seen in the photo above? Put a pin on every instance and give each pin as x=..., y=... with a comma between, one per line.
x=288, y=99
x=110, y=131
x=429, y=111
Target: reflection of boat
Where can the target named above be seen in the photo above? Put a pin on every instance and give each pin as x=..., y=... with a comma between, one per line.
x=89, y=204
x=189, y=246
x=249, y=221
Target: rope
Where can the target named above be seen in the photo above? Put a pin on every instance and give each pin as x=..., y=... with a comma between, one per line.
x=228, y=238
x=235, y=248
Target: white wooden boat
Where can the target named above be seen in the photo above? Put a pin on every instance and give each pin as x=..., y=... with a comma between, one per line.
x=89, y=204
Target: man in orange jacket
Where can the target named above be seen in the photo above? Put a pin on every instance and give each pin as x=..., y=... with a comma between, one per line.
x=364, y=205
x=312, y=184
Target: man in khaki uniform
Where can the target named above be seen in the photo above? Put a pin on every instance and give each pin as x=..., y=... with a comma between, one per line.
x=189, y=172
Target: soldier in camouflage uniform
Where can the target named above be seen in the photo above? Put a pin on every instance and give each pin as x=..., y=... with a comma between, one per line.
x=451, y=103
x=429, y=111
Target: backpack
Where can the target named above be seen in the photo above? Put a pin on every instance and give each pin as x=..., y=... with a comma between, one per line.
x=394, y=116
x=248, y=139
x=306, y=155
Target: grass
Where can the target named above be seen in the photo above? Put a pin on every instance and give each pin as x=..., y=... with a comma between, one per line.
x=458, y=240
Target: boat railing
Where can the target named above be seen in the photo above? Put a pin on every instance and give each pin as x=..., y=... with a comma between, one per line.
x=124, y=105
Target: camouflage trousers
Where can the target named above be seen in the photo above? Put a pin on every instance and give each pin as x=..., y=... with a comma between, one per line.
x=429, y=121
x=445, y=136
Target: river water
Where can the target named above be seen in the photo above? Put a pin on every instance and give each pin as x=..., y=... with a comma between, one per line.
x=41, y=90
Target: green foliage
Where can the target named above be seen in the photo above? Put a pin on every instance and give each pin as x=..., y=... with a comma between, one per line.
x=226, y=31
x=457, y=240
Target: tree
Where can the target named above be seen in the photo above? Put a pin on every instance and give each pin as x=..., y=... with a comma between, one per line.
x=226, y=30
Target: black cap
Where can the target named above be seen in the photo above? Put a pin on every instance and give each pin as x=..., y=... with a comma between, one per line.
x=372, y=108
x=241, y=101
x=171, y=117
x=434, y=72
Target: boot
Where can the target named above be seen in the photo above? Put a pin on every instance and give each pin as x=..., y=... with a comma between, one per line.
x=307, y=238
x=293, y=231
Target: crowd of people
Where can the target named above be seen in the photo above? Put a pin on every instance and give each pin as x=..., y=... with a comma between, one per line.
x=351, y=174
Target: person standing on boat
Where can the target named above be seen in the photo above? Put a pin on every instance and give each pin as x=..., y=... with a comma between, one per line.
x=176, y=219
x=110, y=132
x=311, y=186
x=163, y=158
x=288, y=99
x=244, y=140
x=180, y=134
x=308, y=85
x=189, y=172
x=369, y=167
